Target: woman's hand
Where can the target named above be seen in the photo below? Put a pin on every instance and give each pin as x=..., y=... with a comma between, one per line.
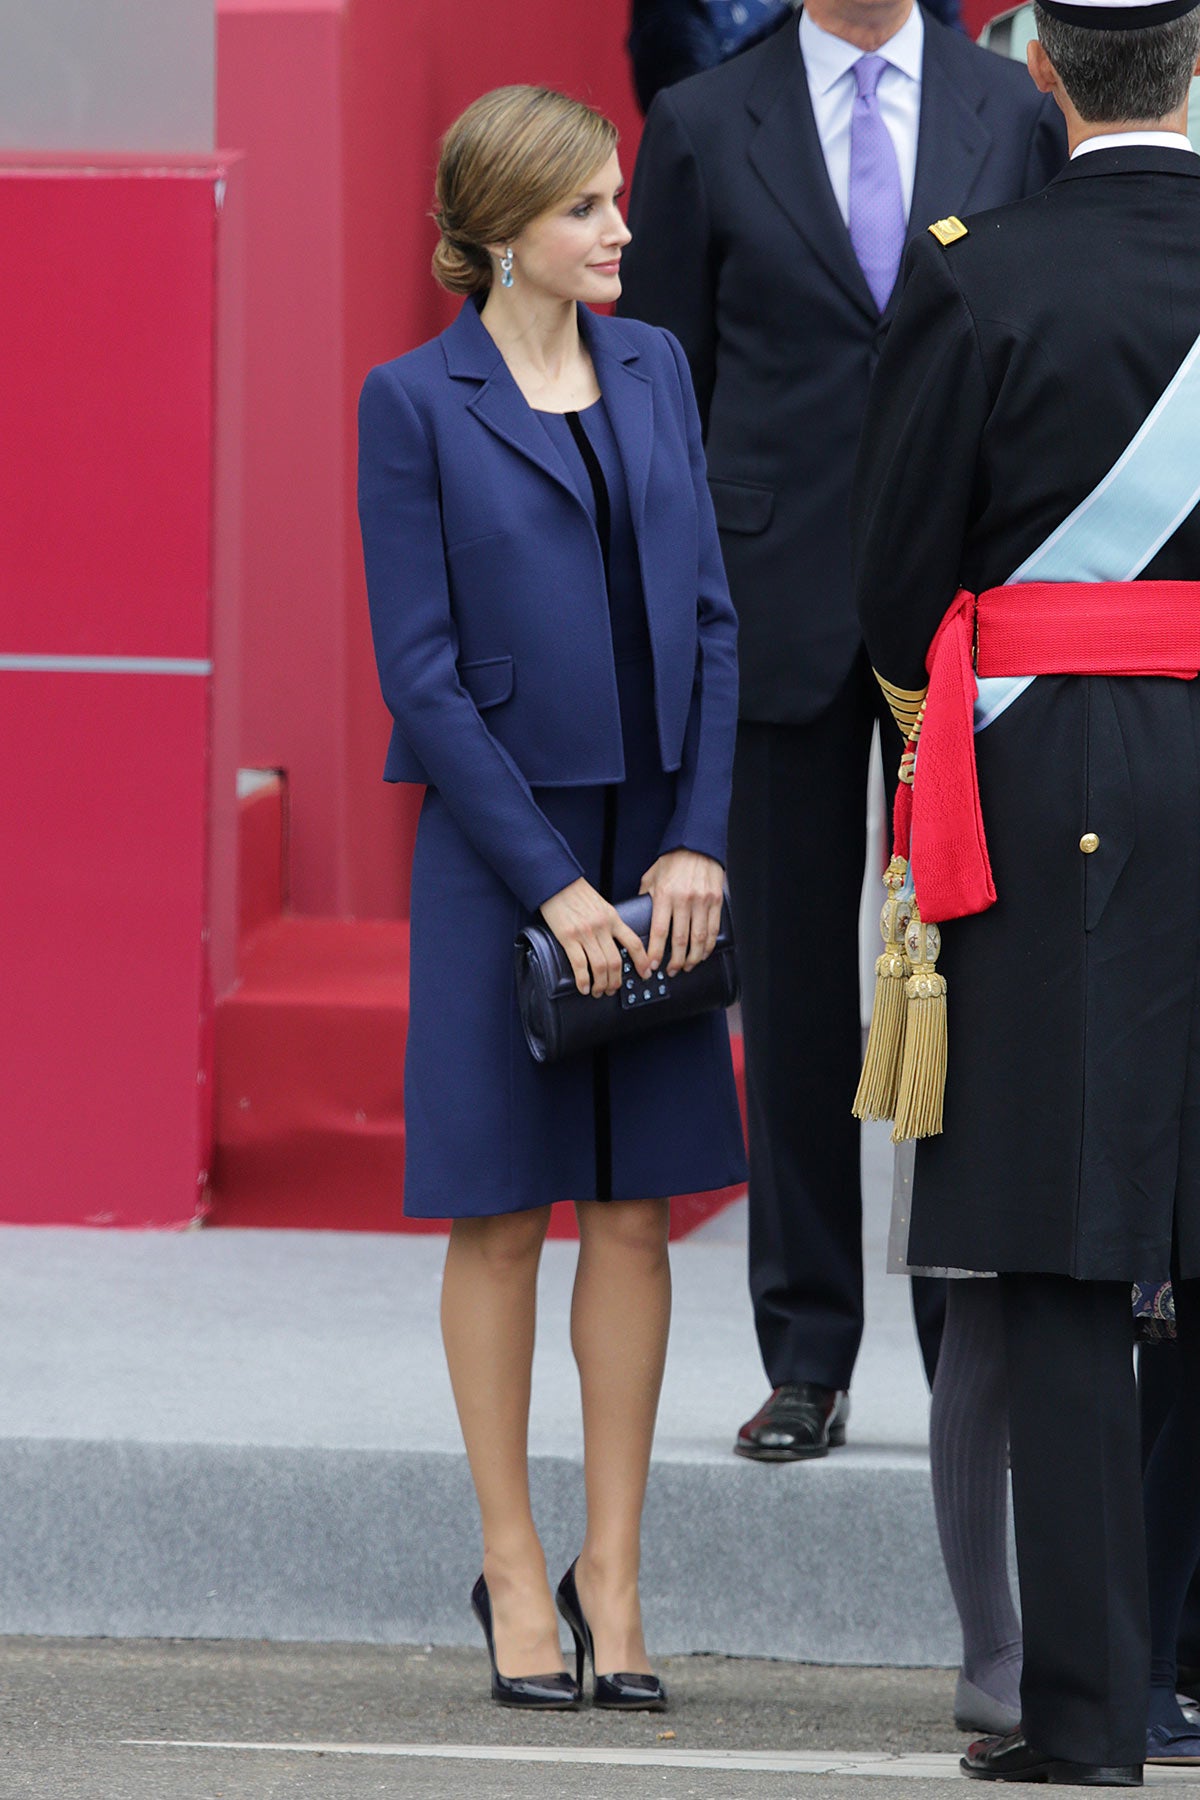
x=688, y=889
x=592, y=932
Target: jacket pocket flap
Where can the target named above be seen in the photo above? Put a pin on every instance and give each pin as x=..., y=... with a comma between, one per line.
x=488, y=681
x=741, y=507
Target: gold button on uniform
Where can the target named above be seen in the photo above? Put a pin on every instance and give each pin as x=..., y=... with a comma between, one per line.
x=1089, y=842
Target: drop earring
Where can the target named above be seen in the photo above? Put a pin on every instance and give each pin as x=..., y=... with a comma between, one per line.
x=506, y=274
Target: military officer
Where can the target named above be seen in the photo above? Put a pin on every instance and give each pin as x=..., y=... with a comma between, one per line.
x=1028, y=577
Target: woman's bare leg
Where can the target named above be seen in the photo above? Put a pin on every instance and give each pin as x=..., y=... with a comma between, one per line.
x=620, y=1316
x=489, y=1304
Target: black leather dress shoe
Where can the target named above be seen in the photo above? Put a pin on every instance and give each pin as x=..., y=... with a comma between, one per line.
x=800, y=1420
x=1011, y=1758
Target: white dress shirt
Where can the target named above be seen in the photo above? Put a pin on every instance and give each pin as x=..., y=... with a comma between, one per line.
x=1121, y=140
x=828, y=62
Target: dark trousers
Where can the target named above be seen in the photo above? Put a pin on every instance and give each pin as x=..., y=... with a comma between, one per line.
x=1171, y=1492
x=1160, y=1385
x=1077, y=1507
x=797, y=846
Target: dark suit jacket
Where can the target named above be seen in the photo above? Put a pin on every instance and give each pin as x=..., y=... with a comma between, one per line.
x=489, y=606
x=1022, y=361
x=739, y=247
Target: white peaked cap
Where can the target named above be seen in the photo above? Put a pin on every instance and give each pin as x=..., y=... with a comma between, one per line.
x=1117, y=15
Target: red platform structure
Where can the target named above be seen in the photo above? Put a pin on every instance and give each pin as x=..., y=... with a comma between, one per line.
x=120, y=332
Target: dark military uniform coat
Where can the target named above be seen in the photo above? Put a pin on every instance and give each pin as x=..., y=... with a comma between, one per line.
x=1022, y=360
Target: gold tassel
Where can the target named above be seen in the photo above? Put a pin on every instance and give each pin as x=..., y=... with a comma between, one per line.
x=880, y=1079
x=923, y=1067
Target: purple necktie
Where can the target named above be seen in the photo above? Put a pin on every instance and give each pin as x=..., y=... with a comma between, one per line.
x=877, y=221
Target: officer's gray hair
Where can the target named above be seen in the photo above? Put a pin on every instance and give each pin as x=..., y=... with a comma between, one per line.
x=1114, y=77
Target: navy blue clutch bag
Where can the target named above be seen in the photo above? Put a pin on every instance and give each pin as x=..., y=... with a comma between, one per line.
x=559, y=1021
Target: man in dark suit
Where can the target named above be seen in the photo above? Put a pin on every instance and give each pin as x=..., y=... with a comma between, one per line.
x=771, y=201
x=1026, y=502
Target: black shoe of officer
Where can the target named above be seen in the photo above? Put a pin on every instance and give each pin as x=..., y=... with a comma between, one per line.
x=1012, y=1758
x=800, y=1420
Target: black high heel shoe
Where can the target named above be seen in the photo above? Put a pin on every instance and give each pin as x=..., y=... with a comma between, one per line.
x=622, y=1693
x=552, y=1693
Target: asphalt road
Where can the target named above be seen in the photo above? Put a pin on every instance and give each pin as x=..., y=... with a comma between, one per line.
x=105, y=1720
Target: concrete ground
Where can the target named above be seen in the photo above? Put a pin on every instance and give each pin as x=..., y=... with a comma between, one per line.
x=139, y=1720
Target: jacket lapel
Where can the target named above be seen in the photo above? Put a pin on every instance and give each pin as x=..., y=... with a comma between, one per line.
x=629, y=401
x=787, y=155
x=952, y=142
x=499, y=403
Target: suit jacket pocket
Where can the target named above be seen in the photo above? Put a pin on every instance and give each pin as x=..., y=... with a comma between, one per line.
x=488, y=681
x=740, y=506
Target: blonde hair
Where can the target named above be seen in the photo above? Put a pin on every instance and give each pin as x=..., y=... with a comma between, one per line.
x=513, y=154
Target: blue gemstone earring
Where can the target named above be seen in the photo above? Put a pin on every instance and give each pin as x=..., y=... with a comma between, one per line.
x=506, y=274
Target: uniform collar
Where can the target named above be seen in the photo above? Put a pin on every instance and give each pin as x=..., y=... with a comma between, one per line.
x=1130, y=158
x=1128, y=140
x=828, y=58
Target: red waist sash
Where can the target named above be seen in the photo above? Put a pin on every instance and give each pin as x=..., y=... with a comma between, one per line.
x=1030, y=628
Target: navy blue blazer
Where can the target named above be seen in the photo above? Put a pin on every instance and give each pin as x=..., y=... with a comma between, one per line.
x=489, y=608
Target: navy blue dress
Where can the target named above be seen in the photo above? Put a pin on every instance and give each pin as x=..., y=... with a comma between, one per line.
x=643, y=1120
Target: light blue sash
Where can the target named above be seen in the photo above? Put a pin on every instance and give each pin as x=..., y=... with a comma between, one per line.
x=1111, y=536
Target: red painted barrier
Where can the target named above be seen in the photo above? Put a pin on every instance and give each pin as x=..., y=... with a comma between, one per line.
x=118, y=492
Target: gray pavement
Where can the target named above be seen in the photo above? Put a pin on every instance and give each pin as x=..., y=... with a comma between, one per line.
x=237, y=1721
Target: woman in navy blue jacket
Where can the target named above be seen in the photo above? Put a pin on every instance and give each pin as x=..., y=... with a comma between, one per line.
x=556, y=645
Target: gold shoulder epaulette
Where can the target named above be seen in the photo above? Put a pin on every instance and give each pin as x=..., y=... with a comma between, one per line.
x=948, y=231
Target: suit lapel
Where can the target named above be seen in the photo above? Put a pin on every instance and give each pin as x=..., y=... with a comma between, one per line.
x=952, y=143
x=499, y=404
x=787, y=155
x=503, y=408
x=629, y=401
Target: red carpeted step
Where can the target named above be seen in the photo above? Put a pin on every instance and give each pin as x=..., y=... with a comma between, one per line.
x=310, y=1069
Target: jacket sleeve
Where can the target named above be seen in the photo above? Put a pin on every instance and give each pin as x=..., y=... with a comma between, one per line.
x=701, y=817
x=916, y=473
x=669, y=271
x=416, y=647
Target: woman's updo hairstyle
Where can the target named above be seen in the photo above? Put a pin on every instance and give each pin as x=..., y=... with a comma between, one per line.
x=513, y=154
